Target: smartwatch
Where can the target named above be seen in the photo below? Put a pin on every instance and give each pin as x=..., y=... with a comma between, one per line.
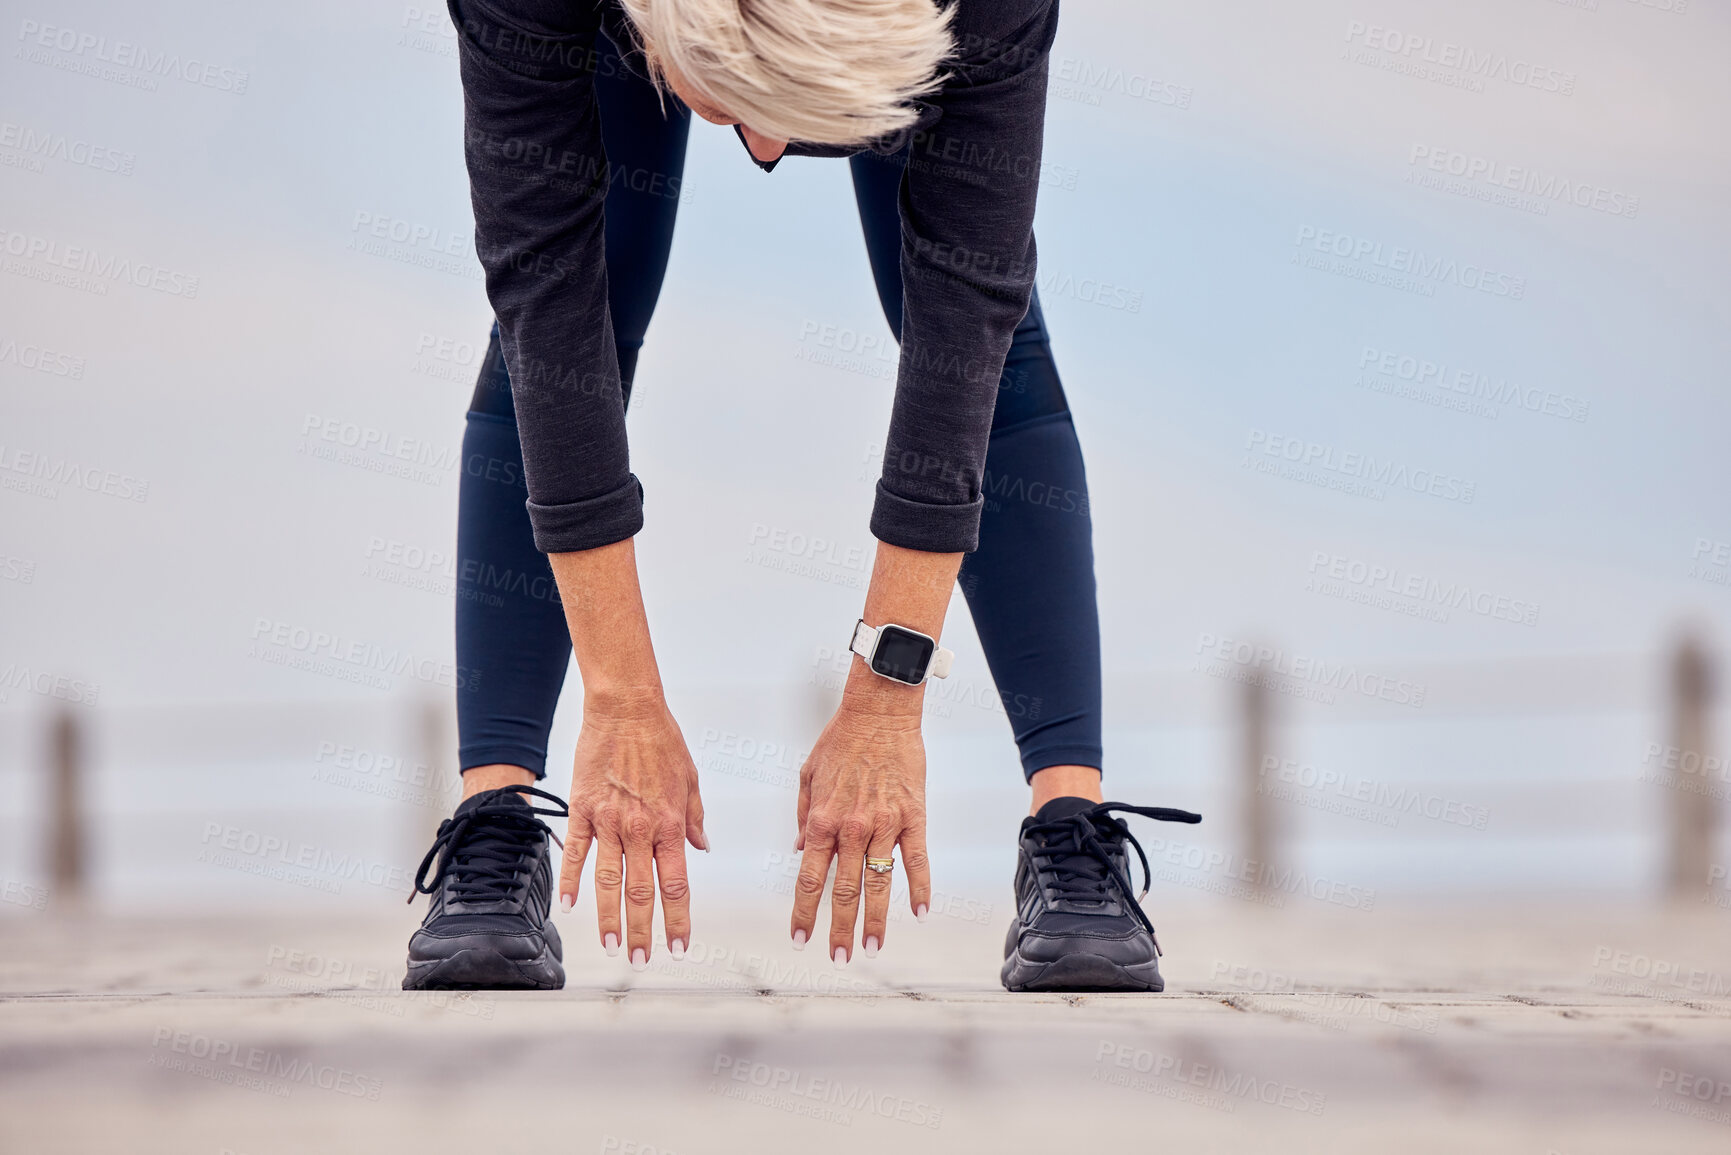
x=900, y=654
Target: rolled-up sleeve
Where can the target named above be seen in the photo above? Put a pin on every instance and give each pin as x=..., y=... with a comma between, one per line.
x=538, y=182
x=967, y=209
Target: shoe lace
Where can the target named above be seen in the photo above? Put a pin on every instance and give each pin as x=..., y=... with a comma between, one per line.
x=487, y=848
x=1075, y=858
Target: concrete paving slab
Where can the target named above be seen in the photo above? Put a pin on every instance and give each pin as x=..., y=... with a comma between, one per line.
x=1555, y=1028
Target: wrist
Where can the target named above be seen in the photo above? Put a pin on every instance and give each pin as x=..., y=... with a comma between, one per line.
x=624, y=700
x=911, y=588
x=867, y=694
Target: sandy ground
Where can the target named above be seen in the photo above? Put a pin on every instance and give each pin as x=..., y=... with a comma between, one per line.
x=1566, y=1029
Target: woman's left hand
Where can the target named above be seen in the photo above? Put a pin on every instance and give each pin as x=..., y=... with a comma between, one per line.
x=862, y=791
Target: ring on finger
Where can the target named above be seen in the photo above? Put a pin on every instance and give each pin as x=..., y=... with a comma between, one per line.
x=880, y=865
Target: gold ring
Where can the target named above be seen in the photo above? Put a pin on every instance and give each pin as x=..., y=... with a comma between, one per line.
x=881, y=865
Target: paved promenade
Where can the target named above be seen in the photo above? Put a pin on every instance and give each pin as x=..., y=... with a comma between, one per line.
x=1531, y=1029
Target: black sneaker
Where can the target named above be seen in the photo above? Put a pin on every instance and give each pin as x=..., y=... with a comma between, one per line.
x=487, y=925
x=1076, y=926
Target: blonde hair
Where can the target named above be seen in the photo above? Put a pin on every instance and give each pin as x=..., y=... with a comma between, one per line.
x=827, y=71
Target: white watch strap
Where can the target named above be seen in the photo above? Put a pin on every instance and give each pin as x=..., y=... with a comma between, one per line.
x=865, y=643
x=865, y=640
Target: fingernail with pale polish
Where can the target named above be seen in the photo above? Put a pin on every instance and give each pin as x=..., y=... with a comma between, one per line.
x=639, y=960
x=799, y=940
x=841, y=956
x=565, y=902
x=678, y=948
x=871, y=946
x=611, y=945
x=920, y=913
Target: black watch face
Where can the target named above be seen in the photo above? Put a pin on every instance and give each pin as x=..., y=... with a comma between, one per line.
x=903, y=655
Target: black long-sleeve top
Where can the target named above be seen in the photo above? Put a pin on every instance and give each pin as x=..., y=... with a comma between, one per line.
x=539, y=177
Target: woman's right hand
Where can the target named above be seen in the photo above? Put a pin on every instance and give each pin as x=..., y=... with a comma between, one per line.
x=633, y=785
x=634, y=796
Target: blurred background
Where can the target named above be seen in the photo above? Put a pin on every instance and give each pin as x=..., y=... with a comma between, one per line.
x=1395, y=334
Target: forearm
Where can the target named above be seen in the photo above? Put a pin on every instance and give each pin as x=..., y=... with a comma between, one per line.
x=911, y=588
x=609, y=629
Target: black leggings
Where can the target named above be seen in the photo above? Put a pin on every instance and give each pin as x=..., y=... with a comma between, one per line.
x=1030, y=585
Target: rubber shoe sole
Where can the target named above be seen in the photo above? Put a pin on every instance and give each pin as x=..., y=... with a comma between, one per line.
x=1080, y=971
x=479, y=969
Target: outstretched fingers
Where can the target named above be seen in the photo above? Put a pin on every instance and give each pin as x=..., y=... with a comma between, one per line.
x=819, y=839
x=845, y=895
x=918, y=866
x=675, y=888
x=578, y=835
x=878, y=884
x=639, y=889
x=609, y=881
x=802, y=810
x=694, y=832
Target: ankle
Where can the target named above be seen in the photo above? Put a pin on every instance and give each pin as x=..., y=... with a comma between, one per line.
x=477, y=779
x=1065, y=782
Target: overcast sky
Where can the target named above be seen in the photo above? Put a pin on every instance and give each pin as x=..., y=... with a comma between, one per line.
x=1481, y=244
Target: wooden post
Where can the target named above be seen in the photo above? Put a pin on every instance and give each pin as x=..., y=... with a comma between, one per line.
x=1694, y=809
x=436, y=749
x=67, y=858
x=1255, y=708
